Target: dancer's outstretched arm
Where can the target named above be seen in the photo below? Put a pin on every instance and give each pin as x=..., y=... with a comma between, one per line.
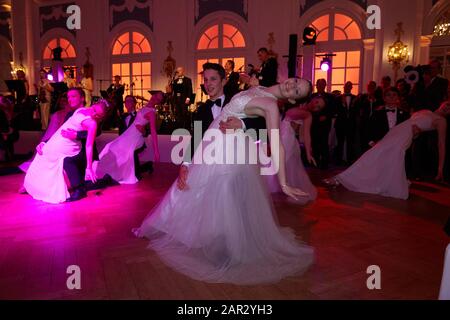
x=302, y=114
x=268, y=108
x=91, y=126
x=151, y=116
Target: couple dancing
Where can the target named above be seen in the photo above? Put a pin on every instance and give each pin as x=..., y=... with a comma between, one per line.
x=66, y=156
x=217, y=222
x=381, y=170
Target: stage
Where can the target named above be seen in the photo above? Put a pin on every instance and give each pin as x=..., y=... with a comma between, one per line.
x=349, y=232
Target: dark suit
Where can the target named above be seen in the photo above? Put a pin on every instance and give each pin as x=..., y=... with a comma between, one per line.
x=182, y=89
x=320, y=129
x=269, y=73
x=379, y=123
x=75, y=166
x=126, y=121
x=11, y=129
x=366, y=108
x=435, y=93
x=424, y=150
x=205, y=116
x=346, y=128
x=232, y=86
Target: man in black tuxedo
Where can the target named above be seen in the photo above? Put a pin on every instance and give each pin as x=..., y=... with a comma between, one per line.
x=346, y=126
x=367, y=103
x=214, y=81
x=387, y=116
x=182, y=91
x=232, y=86
x=268, y=72
x=75, y=167
x=115, y=93
x=424, y=151
x=321, y=124
x=435, y=86
x=126, y=121
x=127, y=118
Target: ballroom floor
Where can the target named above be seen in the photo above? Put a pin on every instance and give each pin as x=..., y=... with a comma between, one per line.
x=349, y=232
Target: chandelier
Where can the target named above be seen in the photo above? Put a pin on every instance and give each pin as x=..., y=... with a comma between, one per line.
x=398, y=52
x=442, y=29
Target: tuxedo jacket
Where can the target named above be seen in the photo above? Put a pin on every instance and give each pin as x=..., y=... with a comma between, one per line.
x=346, y=115
x=436, y=93
x=379, y=124
x=232, y=86
x=205, y=116
x=269, y=72
x=82, y=136
x=182, y=88
x=123, y=125
x=365, y=107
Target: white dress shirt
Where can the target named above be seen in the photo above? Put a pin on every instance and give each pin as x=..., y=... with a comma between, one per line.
x=215, y=109
x=392, y=117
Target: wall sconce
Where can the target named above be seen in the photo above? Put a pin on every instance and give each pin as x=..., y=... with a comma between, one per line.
x=398, y=52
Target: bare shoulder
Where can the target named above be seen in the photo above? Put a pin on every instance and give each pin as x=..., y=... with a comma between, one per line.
x=258, y=106
x=89, y=123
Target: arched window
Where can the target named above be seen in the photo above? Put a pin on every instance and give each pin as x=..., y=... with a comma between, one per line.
x=440, y=44
x=68, y=54
x=131, y=59
x=340, y=35
x=68, y=51
x=219, y=43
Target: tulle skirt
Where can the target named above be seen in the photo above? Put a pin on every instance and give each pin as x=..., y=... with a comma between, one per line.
x=224, y=229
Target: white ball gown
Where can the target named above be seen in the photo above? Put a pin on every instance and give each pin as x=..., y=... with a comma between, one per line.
x=296, y=174
x=381, y=170
x=117, y=157
x=45, y=176
x=224, y=228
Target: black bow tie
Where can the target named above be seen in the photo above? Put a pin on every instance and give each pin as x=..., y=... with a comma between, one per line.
x=217, y=102
x=390, y=110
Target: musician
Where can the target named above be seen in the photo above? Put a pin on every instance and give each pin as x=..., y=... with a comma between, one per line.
x=115, y=95
x=45, y=97
x=86, y=84
x=269, y=68
x=232, y=85
x=115, y=92
x=68, y=80
x=182, y=93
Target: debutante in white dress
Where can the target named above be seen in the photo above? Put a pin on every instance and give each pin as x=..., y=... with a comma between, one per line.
x=45, y=176
x=224, y=228
x=381, y=170
x=117, y=157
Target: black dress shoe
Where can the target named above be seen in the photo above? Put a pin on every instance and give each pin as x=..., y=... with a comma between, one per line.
x=109, y=181
x=147, y=166
x=78, y=194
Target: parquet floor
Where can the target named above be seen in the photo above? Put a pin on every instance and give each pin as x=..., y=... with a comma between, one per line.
x=349, y=232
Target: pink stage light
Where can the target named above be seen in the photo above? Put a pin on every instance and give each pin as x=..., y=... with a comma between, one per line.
x=50, y=77
x=325, y=64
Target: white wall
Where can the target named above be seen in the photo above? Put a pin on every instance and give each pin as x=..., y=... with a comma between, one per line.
x=174, y=20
